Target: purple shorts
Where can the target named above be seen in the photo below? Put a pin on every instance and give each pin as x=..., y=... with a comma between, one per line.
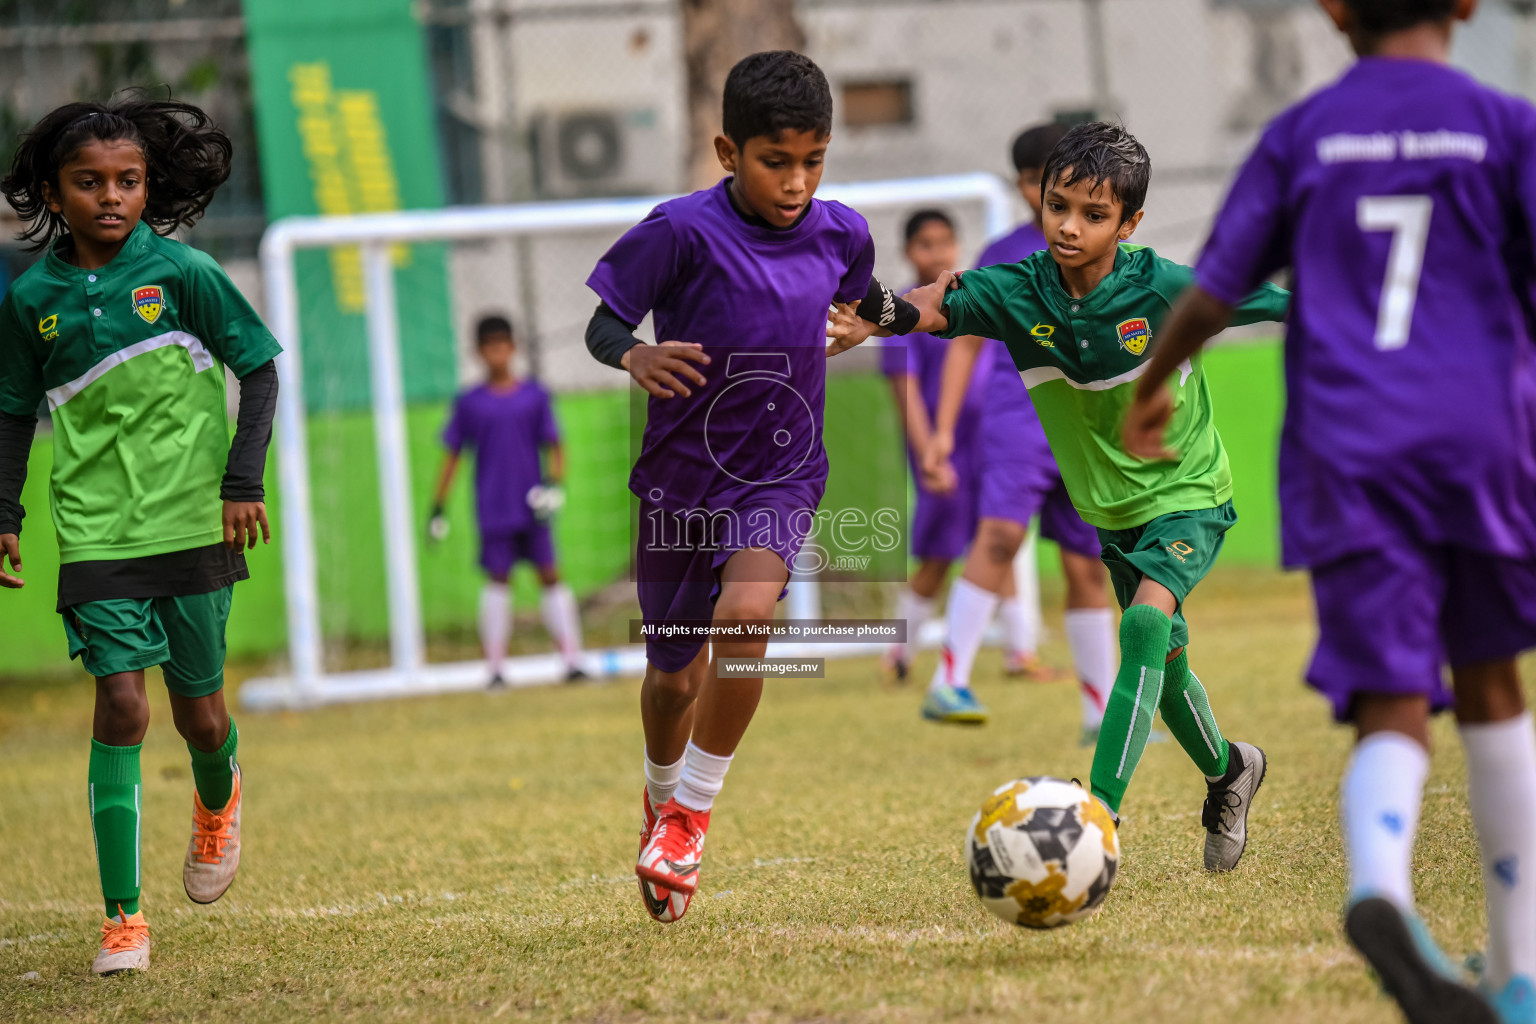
x=501, y=550
x=1019, y=478
x=1388, y=620
x=1007, y=493
x=943, y=524
x=678, y=560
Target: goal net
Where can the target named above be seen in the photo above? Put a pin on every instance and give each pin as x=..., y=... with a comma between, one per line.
x=371, y=609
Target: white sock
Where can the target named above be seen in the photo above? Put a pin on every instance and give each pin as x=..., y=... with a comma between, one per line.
x=1501, y=779
x=1018, y=626
x=917, y=610
x=1379, y=805
x=558, y=606
x=661, y=779
x=495, y=623
x=970, y=609
x=1091, y=636
x=702, y=778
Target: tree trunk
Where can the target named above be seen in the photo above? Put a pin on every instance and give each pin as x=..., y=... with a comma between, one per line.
x=717, y=34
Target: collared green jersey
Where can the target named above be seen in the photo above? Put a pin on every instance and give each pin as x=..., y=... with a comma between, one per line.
x=1080, y=359
x=128, y=358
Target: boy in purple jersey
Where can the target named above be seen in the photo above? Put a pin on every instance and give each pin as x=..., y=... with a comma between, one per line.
x=943, y=520
x=508, y=423
x=739, y=278
x=1403, y=198
x=1018, y=480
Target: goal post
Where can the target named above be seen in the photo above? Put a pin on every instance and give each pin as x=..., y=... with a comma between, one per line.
x=308, y=682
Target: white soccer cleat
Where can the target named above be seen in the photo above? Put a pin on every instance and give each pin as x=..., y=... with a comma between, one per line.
x=213, y=853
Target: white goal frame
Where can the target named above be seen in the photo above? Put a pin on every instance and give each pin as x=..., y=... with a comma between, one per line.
x=307, y=683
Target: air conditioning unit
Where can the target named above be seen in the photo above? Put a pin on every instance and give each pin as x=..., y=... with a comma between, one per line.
x=602, y=152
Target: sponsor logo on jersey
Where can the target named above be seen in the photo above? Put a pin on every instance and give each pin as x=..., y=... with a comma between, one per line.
x=1042, y=335
x=48, y=327
x=1134, y=335
x=148, y=301
x=1180, y=549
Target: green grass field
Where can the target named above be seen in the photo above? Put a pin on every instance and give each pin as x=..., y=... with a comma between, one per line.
x=470, y=858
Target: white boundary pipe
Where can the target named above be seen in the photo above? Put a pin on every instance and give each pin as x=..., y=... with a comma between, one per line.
x=375, y=232
x=407, y=640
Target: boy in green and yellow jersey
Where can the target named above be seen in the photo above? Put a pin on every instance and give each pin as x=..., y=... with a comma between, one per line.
x=1078, y=319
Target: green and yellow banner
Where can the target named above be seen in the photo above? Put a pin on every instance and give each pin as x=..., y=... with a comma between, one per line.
x=344, y=118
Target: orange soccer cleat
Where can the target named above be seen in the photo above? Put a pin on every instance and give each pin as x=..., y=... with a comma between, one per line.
x=1029, y=667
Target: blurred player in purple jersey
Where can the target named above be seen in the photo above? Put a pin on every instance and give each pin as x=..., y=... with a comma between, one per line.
x=942, y=524
x=1017, y=479
x=508, y=423
x=1403, y=198
x=738, y=278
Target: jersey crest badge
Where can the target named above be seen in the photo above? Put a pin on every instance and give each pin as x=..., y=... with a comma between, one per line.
x=148, y=301
x=1134, y=335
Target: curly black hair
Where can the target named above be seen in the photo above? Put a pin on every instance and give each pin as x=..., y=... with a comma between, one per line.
x=187, y=157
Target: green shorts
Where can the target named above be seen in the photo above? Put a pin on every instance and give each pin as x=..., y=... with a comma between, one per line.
x=1176, y=550
x=183, y=635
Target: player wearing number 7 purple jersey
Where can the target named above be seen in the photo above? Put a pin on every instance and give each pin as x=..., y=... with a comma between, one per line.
x=1403, y=198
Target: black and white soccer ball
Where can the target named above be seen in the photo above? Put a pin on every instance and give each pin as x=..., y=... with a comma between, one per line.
x=1042, y=852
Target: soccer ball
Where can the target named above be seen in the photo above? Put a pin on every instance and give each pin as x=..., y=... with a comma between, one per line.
x=1042, y=852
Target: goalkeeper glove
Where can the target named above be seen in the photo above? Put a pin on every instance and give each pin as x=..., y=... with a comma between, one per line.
x=545, y=500
x=437, y=525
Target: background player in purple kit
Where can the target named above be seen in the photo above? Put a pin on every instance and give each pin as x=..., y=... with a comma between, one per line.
x=739, y=278
x=1403, y=198
x=508, y=423
x=1018, y=480
x=942, y=523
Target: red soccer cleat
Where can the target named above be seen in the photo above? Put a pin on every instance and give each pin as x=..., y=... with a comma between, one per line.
x=669, y=861
x=657, y=903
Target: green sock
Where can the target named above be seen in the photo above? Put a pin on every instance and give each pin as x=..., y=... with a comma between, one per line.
x=1144, y=633
x=115, y=786
x=214, y=772
x=1188, y=716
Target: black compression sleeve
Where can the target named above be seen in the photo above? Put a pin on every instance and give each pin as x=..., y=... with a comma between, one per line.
x=609, y=336
x=15, y=445
x=885, y=309
x=253, y=432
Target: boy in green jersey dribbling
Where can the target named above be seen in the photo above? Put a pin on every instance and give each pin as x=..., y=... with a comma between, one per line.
x=1079, y=319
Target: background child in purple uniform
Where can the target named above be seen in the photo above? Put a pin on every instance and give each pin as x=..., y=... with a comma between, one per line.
x=508, y=423
x=739, y=278
x=1403, y=197
x=1018, y=480
x=942, y=524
